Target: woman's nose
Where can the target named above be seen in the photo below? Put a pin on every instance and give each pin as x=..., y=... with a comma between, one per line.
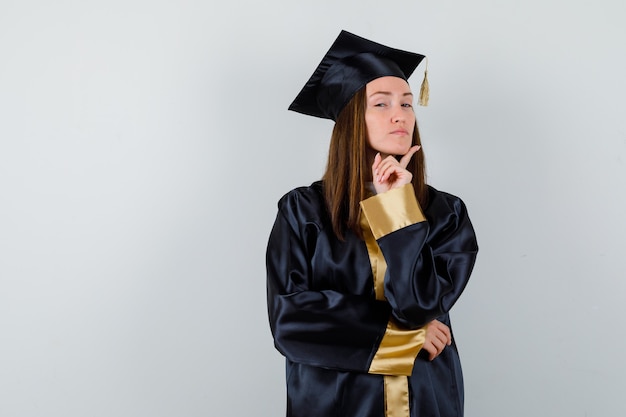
x=397, y=115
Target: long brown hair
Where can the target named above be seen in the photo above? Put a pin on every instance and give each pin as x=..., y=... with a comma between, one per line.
x=348, y=168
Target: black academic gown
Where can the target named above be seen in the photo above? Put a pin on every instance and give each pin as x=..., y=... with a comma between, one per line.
x=329, y=324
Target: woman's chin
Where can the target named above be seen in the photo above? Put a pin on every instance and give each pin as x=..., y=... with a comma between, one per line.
x=401, y=152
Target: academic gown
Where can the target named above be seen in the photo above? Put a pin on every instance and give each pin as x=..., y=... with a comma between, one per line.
x=349, y=316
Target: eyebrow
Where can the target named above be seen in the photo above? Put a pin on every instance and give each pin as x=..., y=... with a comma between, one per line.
x=388, y=93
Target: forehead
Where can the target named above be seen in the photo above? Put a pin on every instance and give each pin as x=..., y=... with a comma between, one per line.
x=388, y=85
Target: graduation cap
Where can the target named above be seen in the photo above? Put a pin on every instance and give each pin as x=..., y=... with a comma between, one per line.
x=351, y=63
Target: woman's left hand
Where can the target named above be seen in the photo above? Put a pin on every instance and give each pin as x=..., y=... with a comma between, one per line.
x=389, y=173
x=438, y=337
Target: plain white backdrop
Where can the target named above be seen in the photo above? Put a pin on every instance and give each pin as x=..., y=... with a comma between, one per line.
x=144, y=145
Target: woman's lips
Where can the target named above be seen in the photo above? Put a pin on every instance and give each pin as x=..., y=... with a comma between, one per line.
x=400, y=132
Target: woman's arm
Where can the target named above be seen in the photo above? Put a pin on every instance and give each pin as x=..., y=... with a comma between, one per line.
x=325, y=328
x=428, y=265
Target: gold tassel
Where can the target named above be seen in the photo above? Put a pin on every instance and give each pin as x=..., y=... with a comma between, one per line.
x=425, y=89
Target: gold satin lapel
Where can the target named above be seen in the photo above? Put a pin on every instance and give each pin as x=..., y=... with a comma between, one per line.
x=399, y=347
x=377, y=261
x=396, y=396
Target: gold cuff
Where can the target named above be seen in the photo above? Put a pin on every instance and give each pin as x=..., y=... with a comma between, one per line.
x=392, y=210
x=397, y=351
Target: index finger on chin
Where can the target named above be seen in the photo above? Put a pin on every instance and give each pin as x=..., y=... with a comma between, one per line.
x=404, y=161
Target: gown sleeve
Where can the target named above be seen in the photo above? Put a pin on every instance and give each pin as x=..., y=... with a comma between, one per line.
x=323, y=328
x=429, y=256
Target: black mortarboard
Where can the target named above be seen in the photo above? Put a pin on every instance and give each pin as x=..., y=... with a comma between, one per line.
x=350, y=63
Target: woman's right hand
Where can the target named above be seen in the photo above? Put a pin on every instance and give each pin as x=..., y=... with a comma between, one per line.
x=438, y=336
x=389, y=173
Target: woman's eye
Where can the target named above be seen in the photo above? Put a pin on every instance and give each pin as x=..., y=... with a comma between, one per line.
x=407, y=105
x=380, y=105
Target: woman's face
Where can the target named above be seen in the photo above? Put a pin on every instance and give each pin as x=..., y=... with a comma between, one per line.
x=389, y=115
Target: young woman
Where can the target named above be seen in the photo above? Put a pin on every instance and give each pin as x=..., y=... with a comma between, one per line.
x=364, y=266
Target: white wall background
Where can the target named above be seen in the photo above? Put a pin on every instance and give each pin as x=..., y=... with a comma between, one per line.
x=144, y=144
